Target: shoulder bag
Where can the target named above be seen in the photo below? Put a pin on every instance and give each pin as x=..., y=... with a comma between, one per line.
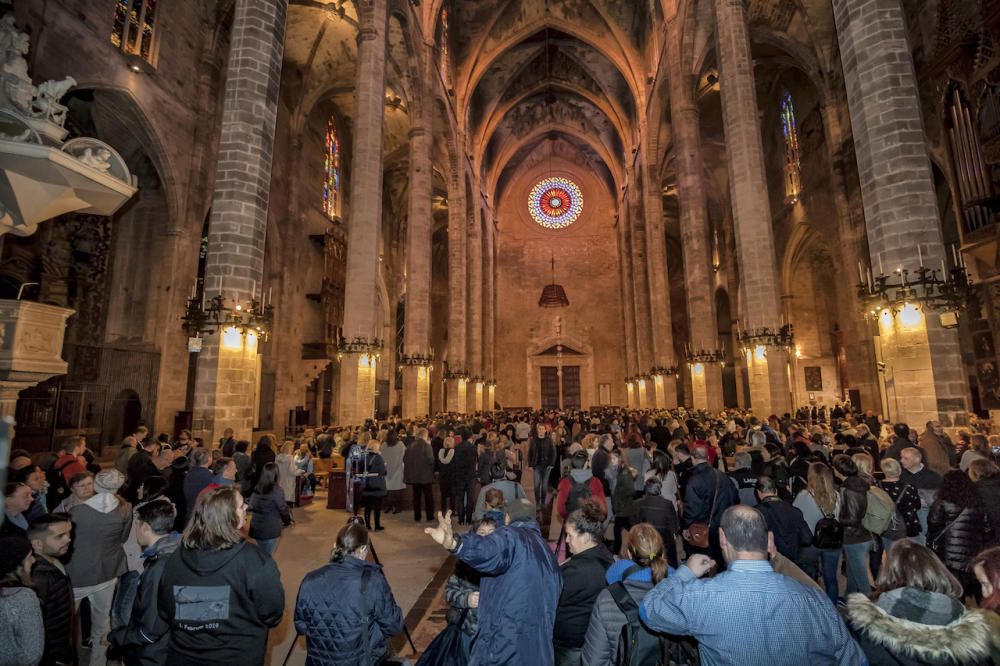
x=698, y=533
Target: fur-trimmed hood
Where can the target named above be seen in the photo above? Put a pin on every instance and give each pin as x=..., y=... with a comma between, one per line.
x=963, y=640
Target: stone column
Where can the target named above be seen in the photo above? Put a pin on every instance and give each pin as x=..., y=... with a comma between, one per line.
x=226, y=380
x=417, y=341
x=924, y=372
x=664, y=389
x=474, y=258
x=457, y=271
x=358, y=370
x=694, y=227
x=640, y=290
x=769, y=386
x=628, y=301
x=489, y=308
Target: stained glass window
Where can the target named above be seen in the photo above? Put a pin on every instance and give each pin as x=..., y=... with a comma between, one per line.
x=331, y=170
x=442, y=43
x=133, y=25
x=555, y=202
x=793, y=184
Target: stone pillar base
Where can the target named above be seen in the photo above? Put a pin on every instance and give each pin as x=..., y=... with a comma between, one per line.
x=416, y=391
x=357, y=389
x=491, y=400
x=760, y=382
x=456, y=392
x=913, y=345
x=227, y=389
x=645, y=394
x=666, y=391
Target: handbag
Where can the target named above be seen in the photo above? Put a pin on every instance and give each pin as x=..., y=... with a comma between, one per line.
x=698, y=533
x=449, y=648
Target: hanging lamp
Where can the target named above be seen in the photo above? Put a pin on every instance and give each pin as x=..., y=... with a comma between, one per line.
x=553, y=295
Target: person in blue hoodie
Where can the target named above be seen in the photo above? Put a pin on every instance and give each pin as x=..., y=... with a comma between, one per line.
x=645, y=566
x=519, y=591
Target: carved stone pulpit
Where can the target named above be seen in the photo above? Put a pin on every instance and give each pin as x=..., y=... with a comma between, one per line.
x=31, y=342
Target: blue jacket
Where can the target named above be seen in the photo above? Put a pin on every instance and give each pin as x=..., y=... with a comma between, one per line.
x=518, y=594
x=328, y=612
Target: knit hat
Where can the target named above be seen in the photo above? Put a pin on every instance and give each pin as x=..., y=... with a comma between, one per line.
x=13, y=550
x=108, y=481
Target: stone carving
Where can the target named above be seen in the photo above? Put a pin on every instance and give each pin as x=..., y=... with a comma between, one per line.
x=100, y=158
x=46, y=104
x=17, y=89
x=526, y=117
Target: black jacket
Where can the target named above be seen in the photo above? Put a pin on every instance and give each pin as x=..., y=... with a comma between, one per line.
x=541, y=452
x=956, y=534
x=140, y=468
x=907, y=501
x=219, y=605
x=144, y=639
x=464, y=461
x=328, y=612
x=700, y=492
x=375, y=482
x=418, y=463
x=196, y=480
x=659, y=512
x=270, y=514
x=989, y=492
x=853, y=506
x=583, y=580
x=791, y=532
x=55, y=594
x=261, y=456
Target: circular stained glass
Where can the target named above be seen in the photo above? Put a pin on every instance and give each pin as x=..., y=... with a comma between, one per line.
x=555, y=203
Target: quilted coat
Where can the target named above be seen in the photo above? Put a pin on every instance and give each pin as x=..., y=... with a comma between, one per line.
x=328, y=613
x=956, y=534
x=518, y=595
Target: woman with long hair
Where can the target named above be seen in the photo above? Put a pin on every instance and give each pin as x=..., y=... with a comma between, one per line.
x=818, y=501
x=663, y=470
x=958, y=526
x=269, y=509
x=986, y=567
x=979, y=449
x=917, y=616
x=218, y=593
x=346, y=601
x=643, y=568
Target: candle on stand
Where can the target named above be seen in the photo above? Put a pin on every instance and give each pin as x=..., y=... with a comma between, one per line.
x=861, y=273
x=268, y=295
x=920, y=257
x=954, y=255
x=880, y=269
x=944, y=272
x=871, y=282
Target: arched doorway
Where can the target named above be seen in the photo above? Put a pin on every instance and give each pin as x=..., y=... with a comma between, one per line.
x=125, y=414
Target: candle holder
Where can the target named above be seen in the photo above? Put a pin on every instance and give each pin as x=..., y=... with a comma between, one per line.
x=926, y=288
x=455, y=374
x=203, y=317
x=370, y=347
x=705, y=357
x=658, y=371
x=782, y=338
x=417, y=360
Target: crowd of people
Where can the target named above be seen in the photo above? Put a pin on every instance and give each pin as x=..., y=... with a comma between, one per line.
x=641, y=537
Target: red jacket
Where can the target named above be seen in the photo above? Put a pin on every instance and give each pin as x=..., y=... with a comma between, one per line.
x=562, y=494
x=69, y=465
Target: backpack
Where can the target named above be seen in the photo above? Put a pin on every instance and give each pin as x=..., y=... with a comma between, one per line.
x=636, y=646
x=578, y=492
x=829, y=533
x=58, y=488
x=880, y=511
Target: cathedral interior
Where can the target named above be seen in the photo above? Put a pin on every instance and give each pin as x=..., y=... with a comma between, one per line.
x=327, y=211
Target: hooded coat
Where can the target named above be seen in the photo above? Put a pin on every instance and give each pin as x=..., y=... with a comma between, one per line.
x=329, y=610
x=607, y=620
x=101, y=526
x=219, y=604
x=907, y=627
x=518, y=595
x=583, y=579
x=145, y=638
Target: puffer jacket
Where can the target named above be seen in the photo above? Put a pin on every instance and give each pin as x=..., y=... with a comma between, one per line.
x=55, y=594
x=853, y=506
x=329, y=610
x=956, y=533
x=607, y=620
x=460, y=585
x=911, y=627
x=583, y=579
x=989, y=492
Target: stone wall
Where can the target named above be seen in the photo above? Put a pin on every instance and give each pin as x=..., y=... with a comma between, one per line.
x=586, y=256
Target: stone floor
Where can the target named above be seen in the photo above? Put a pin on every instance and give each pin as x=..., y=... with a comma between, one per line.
x=409, y=557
